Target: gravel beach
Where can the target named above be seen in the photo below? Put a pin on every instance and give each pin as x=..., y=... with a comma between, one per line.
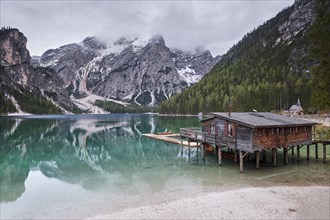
x=249, y=203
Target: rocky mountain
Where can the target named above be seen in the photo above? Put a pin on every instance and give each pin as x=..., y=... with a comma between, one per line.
x=24, y=88
x=142, y=72
x=267, y=70
x=94, y=75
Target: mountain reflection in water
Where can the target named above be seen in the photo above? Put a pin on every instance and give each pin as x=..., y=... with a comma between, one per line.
x=89, y=150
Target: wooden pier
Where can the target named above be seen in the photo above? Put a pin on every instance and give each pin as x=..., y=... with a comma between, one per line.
x=172, y=138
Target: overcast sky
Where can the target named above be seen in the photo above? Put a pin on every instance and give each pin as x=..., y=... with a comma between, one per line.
x=215, y=25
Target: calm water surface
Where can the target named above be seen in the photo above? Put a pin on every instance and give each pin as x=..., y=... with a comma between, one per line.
x=80, y=166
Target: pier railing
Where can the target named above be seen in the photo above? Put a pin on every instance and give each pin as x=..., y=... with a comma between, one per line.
x=197, y=134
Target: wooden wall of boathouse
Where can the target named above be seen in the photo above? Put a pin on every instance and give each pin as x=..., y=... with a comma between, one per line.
x=241, y=137
x=229, y=134
x=275, y=137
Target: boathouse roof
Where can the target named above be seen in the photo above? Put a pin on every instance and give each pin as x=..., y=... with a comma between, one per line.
x=260, y=119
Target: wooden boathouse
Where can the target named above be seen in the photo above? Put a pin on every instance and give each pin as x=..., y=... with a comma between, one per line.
x=251, y=132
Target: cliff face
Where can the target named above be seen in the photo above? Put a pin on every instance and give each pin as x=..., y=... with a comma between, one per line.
x=13, y=48
x=20, y=82
x=15, y=58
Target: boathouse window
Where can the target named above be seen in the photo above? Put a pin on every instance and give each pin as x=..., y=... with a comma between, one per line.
x=212, y=130
x=221, y=129
x=230, y=129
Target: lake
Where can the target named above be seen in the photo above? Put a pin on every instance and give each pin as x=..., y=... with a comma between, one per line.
x=80, y=166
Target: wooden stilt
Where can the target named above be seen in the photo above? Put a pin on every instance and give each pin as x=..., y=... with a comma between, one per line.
x=324, y=153
x=257, y=159
x=274, y=156
x=298, y=153
x=292, y=151
x=203, y=152
x=316, y=152
x=235, y=156
x=286, y=155
x=241, y=161
x=264, y=159
x=188, y=149
x=181, y=148
x=197, y=151
x=219, y=155
x=307, y=152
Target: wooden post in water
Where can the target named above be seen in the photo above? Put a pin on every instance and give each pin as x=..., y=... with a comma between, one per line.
x=181, y=147
x=298, y=153
x=203, y=151
x=286, y=155
x=188, y=149
x=219, y=155
x=316, y=152
x=307, y=152
x=235, y=156
x=197, y=151
x=274, y=156
x=292, y=151
x=264, y=159
x=241, y=161
x=324, y=153
x=257, y=159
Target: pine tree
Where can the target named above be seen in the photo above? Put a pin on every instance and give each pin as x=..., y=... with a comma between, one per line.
x=320, y=35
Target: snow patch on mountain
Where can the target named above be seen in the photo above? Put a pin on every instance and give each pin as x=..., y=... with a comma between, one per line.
x=87, y=103
x=189, y=75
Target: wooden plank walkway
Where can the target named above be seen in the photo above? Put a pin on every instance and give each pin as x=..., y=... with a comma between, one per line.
x=170, y=138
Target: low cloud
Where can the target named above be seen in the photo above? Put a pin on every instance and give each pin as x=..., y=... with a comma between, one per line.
x=214, y=25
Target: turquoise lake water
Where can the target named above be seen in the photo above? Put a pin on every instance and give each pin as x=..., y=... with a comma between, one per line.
x=80, y=166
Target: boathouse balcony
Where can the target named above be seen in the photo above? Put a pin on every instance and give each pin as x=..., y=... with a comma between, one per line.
x=196, y=134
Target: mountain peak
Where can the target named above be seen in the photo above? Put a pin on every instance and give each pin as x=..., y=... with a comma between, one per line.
x=94, y=43
x=13, y=49
x=157, y=39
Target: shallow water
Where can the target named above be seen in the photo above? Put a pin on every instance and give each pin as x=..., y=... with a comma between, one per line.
x=79, y=166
